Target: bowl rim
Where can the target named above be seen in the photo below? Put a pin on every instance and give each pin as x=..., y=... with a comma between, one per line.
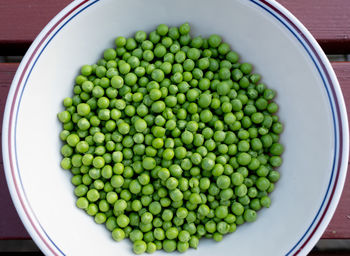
x=340, y=124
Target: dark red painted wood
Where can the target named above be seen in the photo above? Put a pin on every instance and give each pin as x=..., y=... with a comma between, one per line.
x=327, y=20
x=22, y=20
x=10, y=225
x=329, y=253
x=340, y=224
x=12, y=228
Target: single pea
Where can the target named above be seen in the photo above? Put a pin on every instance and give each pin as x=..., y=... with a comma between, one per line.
x=139, y=247
x=244, y=158
x=223, y=88
x=222, y=228
x=250, y=215
x=118, y=234
x=140, y=125
x=162, y=29
x=169, y=245
x=184, y=29
x=172, y=233
x=276, y=149
x=246, y=68
x=110, y=54
x=274, y=176
x=187, y=137
x=176, y=195
x=237, y=208
x=262, y=183
x=182, y=246
x=207, y=164
x=265, y=201
x=93, y=195
x=210, y=226
x=194, y=241
x=123, y=220
x=272, y=107
x=214, y=41
x=151, y=247
x=83, y=109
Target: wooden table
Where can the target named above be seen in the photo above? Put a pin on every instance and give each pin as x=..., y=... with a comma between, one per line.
x=22, y=20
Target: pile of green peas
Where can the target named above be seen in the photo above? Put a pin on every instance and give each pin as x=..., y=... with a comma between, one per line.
x=170, y=139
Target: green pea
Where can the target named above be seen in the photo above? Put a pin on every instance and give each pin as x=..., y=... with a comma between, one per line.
x=170, y=138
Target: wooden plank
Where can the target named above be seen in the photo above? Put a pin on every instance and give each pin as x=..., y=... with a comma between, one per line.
x=11, y=227
x=329, y=253
x=22, y=20
x=340, y=224
x=327, y=20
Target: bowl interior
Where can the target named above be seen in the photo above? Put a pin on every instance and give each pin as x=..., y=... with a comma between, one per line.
x=251, y=31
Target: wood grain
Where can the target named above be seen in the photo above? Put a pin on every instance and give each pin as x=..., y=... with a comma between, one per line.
x=329, y=253
x=340, y=224
x=10, y=225
x=328, y=21
x=12, y=228
x=22, y=20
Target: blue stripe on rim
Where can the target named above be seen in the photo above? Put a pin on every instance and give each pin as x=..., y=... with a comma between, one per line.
x=18, y=107
x=308, y=50
x=297, y=36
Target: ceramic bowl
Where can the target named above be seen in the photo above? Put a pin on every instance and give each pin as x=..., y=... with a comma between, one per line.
x=264, y=34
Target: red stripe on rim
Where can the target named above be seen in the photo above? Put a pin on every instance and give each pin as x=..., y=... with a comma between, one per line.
x=26, y=210
x=337, y=114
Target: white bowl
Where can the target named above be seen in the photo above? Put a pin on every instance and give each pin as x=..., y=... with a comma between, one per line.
x=265, y=34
